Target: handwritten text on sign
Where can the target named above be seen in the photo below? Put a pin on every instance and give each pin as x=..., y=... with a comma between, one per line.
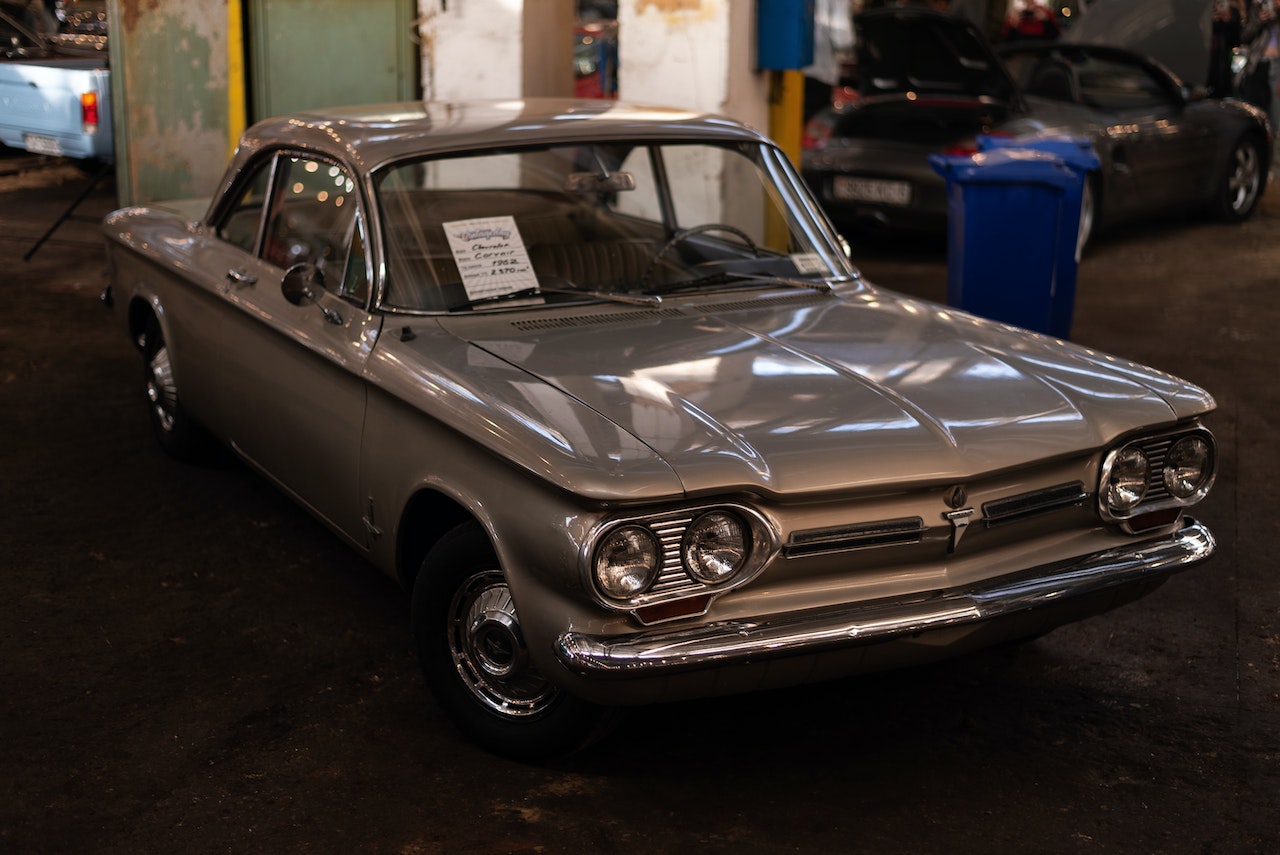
x=490, y=256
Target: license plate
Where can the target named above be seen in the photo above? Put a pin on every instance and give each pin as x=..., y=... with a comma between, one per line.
x=878, y=190
x=42, y=144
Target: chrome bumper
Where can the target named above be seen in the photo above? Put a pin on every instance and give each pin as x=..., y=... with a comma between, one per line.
x=658, y=652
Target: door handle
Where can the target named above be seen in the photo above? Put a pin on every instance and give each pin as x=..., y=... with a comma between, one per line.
x=239, y=277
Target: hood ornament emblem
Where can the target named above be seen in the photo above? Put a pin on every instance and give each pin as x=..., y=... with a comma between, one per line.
x=959, y=520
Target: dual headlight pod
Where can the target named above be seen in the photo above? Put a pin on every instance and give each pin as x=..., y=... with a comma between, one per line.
x=651, y=559
x=1157, y=473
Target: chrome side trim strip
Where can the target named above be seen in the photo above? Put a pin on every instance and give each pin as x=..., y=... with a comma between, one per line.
x=658, y=652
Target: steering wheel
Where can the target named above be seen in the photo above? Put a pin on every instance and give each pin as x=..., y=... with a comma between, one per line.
x=684, y=234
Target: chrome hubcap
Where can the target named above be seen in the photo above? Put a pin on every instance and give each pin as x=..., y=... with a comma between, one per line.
x=162, y=392
x=489, y=652
x=1245, y=178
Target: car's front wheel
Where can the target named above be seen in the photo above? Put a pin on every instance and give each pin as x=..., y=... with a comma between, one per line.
x=476, y=662
x=1242, y=181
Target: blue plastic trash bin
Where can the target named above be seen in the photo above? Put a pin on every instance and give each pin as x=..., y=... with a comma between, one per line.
x=1013, y=220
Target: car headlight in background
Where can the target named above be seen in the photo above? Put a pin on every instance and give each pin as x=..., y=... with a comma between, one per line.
x=1160, y=473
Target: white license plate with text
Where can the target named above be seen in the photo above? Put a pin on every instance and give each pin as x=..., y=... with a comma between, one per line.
x=880, y=191
x=39, y=144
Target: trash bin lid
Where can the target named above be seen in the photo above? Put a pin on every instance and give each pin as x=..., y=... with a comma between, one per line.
x=1077, y=152
x=1006, y=166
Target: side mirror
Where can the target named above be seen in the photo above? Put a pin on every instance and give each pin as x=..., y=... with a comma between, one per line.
x=301, y=284
x=1194, y=93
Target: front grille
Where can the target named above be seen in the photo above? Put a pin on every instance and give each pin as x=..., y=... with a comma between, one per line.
x=672, y=580
x=1023, y=505
x=1157, y=450
x=820, y=541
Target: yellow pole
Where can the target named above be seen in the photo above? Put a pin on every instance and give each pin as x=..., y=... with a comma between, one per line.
x=236, y=119
x=786, y=111
x=786, y=117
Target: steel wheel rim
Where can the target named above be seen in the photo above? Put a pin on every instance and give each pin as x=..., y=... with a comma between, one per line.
x=1087, y=214
x=1245, y=178
x=162, y=391
x=488, y=649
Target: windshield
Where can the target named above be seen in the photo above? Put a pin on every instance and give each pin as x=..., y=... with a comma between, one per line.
x=595, y=220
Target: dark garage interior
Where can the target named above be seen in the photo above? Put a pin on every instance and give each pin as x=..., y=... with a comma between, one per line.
x=194, y=663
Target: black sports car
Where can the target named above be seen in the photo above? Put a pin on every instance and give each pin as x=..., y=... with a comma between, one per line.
x=930, y=83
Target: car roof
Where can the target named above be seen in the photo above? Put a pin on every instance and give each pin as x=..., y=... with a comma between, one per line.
x=370, y=136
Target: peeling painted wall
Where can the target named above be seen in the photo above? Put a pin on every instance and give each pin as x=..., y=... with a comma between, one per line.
x=697, y=54
x=471, y=48
x=169, y=73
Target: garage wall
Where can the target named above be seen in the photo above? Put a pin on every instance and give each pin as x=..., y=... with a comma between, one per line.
x=327, y=53
x=169, y=91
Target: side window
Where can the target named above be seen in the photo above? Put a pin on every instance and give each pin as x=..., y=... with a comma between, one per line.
x=1119, y=86
x=315, y=219
x=241, y=225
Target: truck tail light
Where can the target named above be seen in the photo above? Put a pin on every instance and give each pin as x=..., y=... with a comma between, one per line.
x=89, y=112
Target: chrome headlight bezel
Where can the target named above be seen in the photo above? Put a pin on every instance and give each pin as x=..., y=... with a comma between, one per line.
x=1166, y=454
x=675, y=579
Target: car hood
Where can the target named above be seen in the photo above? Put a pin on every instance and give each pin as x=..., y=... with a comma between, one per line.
x=802, y=393
x=926, y=52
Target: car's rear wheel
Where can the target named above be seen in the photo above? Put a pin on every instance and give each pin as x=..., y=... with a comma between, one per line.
x=1242, y=181
x=175, y=432
x=476, y=662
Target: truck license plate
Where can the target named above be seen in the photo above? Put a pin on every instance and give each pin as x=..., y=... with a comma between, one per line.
x=42, y=145
x=878, y=190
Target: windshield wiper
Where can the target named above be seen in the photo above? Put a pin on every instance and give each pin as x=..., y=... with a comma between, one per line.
x=824, y=285
x=536, y=291
x=497, y=298
x=616, y=297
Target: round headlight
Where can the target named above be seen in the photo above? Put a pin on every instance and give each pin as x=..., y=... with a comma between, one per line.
x=627, y=562
x=1187, y=467
x=715, y=547
x=1127, y=481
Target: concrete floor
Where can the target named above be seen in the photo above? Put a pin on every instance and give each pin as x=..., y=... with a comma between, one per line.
x=191, y=664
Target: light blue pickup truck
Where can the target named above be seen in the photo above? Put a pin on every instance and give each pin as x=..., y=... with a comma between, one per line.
x=55, y=98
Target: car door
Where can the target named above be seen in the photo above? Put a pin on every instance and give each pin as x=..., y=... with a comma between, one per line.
x=292, y=363
x=1154, y=147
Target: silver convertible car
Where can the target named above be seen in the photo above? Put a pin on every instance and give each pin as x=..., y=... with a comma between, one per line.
x=599, y=385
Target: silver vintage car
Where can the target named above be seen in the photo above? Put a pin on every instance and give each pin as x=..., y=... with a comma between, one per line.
x=600, y=386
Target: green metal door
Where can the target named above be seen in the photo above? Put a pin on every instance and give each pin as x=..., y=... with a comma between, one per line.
x=305, y=54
